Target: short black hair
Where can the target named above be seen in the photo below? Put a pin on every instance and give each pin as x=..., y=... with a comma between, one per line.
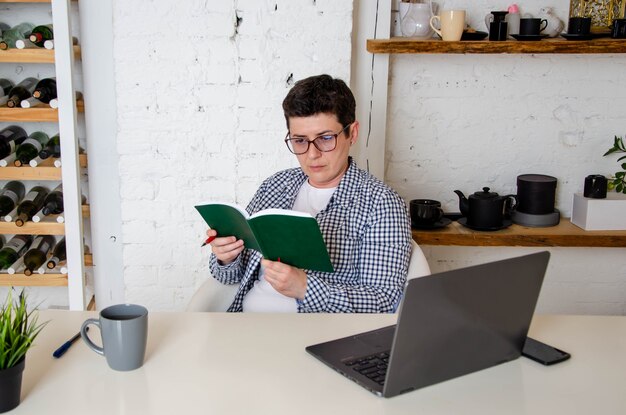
x=320, y=94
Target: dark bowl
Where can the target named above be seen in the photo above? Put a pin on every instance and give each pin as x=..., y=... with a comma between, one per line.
x=478, y=35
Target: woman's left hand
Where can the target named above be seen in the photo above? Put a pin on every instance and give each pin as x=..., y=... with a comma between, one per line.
x=285, y=279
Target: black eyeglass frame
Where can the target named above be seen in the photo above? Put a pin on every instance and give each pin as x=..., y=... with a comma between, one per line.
x=335, y=136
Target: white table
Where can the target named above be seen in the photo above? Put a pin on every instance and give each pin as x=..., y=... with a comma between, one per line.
x=213, y=363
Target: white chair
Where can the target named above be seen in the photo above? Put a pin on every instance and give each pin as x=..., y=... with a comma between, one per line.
x=214, y=296
x=418, y=265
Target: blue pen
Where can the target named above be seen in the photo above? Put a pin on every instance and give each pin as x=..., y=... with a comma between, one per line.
x=61, y=350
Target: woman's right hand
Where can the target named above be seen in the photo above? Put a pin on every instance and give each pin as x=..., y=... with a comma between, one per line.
x=226, y=248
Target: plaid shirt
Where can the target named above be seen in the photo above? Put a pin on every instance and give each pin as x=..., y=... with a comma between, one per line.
x=367, y=231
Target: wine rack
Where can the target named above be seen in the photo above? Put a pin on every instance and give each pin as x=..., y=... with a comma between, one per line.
x=69, y=174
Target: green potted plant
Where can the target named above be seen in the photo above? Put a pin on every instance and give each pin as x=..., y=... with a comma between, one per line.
x=618, y=181
x=18, y=330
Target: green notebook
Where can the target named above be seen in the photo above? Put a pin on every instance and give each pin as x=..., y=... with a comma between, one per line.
x=294, y=237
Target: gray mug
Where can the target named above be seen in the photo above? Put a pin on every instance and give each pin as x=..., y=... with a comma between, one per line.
x=124, y=332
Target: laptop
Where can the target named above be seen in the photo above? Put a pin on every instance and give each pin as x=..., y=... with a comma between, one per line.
x=449, y=324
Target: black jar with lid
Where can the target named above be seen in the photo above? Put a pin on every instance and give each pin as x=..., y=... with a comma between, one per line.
x=536, y=194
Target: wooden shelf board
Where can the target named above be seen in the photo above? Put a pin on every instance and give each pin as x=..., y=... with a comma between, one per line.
x=42, y=113
x=30, y=173
x=32, y=55
x=564, y=234
x=47, y=227
x=556, y=45
x=45, y=280
x=53, y=279
x=32, y=228
x=45, y=171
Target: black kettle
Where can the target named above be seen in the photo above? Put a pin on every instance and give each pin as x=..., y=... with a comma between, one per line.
x=486, y=209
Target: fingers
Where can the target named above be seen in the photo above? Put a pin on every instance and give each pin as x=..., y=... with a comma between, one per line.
x=285, y=279
x=227, y=249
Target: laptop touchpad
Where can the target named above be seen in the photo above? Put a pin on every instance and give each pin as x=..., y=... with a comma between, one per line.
x=380, y=339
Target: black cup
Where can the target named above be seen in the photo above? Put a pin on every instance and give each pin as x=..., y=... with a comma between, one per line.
x=498, y=30
x=532, y=26
x=425, y=212
x=579, y=26
x=595, y=186
x=619, y=29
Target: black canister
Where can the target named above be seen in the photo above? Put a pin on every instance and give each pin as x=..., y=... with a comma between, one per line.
x=536, y=194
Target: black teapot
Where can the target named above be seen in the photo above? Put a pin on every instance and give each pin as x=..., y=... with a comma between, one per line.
x=486, y=209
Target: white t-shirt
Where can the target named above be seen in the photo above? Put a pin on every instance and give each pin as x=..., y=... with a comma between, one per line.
x=262, y=297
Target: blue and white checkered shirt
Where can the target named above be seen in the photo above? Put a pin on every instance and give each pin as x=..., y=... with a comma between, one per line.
x=367, y=231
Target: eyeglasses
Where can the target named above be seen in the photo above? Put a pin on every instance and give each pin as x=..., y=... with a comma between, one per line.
x=324, y=143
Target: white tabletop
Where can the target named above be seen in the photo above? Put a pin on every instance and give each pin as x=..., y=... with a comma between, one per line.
x=213, y=363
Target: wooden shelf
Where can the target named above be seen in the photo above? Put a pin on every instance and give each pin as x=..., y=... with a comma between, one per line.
x=48, y=227
x=33, y=55
x=45, y=280
x=564, y=234
x=556, y=45
x=45, y=171
x=42, y=113
x=32, y=228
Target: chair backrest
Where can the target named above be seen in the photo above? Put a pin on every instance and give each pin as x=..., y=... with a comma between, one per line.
x=418, y=265
x=214, y=296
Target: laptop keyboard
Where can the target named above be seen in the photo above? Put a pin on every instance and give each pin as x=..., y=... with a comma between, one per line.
x=373, y=366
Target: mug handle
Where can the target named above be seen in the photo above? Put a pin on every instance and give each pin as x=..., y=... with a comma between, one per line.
x=440, y=215
x=436, y=17
x=83, y=334
x=488, y=19
x=544, y=26
x=509, y=205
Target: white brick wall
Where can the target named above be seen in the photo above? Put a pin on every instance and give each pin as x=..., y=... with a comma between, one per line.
x=200, y=118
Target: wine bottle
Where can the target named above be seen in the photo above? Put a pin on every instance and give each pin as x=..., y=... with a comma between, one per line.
x=10, y=159
x=58, y=254
x=21, y=31
x=30, y=148
x=40, y=34
x=54, y=103
x=13, y=250
x=17, y=266
x=53, y=205
x=5, y=88
x=10, y=196
x=10, y=138
x=37, y=253
x=3, y=28
x=32, y=203
x=60, y=218
x=24, y=44
x=52, y=148
x=21, y=91
x=49, y=44
x=45, y=90
x=30, y=102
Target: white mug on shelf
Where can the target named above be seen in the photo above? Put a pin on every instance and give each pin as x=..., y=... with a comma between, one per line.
x=452, y=23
